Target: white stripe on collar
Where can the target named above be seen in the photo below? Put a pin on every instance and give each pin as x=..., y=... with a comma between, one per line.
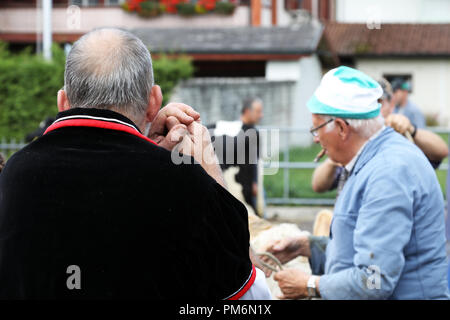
x=96, y=118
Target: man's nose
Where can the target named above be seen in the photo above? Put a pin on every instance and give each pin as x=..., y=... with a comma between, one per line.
x=316, y=139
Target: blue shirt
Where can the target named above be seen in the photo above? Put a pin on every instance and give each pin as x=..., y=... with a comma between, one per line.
x=448, y=222
x=387, y=237
x=413, y=113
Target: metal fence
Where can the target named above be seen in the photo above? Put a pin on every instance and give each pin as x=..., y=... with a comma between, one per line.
x=285, y=134
x=8, y=148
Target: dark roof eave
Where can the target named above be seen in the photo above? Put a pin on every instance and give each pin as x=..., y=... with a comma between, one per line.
x=230, y=52
x=397, y=55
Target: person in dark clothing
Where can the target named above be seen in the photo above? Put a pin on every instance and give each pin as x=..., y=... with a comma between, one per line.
x=251, y=115
x=237, y=144
x=40, y=130
x=97, y=208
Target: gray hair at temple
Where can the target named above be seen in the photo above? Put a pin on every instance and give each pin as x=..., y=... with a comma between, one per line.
x=248, y=103
x=364, y=127
x=109, y=68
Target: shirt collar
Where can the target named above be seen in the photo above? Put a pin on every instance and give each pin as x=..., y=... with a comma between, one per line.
x=349, y=167
x=102, y=114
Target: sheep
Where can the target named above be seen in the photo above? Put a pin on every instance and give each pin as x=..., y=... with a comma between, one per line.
x=263, y=232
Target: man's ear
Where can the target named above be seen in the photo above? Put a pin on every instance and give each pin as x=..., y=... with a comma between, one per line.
x=62, y=101
x=343, y=128
x=155, y=102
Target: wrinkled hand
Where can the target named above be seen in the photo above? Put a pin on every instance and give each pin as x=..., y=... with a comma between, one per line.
x=170, y=124
x=289, y=248
x=197, y=143
x=399, y=123
x=293, y=283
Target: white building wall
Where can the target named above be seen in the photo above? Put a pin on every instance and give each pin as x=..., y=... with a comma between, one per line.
x=307, y=73
x=284, y=19
x=393, y=11
x=430, y=81
x=24, y=20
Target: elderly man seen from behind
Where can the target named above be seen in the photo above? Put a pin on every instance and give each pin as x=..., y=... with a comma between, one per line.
x=97, y=208
x=387, y=238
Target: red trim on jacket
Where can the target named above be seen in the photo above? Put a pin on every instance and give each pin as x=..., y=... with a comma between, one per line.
x=97, y=124
x=245, y=288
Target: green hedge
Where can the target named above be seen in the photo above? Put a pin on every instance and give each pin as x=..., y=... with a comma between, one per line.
x=29, y=85
x=168, y=72
x=28, y=88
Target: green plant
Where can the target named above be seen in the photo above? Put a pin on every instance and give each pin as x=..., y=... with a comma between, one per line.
x=432, y=120
x=29, y=85
x=149, y=9
x=28, y=88
x=186, y=9
x=169, y=71
x=226, y=8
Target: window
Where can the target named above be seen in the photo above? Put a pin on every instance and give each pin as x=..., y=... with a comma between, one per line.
x=404, y=77
x=96, y=3
x=85, y=3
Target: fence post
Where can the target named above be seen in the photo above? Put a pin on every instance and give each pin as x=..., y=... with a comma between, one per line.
x=286, y=170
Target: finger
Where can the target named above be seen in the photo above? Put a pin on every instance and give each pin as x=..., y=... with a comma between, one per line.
x=281, y=245
x=175, y=136
x=196, y=130
x=270, y=246
x=159, y=123
x=171, y=122
x=185, y=108
x=278, y=276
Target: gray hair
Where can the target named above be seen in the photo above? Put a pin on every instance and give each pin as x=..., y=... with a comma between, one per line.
x=364, y=127
x=109, y=68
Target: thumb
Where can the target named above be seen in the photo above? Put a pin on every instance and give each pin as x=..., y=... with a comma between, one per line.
x=278, y=276
x=175, y=136
x=280, y=245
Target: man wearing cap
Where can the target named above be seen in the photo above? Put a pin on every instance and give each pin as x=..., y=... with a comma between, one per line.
x=326, y=175
x=403, y=105
x=387, y=238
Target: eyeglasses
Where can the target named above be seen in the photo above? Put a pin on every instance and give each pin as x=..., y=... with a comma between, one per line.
x=314, y=130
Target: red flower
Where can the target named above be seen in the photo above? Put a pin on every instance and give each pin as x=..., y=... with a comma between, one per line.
x=134, y=5
x=208, y=4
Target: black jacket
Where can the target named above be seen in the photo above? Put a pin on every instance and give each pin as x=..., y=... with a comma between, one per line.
x=115, y=205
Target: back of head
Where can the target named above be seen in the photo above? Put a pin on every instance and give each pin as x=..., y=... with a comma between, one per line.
x=247, y=105
x=401, y=84
x=251, y=112
x=109, y=68
x=387, y=89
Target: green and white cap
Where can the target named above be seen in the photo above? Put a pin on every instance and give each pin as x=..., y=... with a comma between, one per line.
x=346, y=93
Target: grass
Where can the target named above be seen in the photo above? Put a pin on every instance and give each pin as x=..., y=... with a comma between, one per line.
x=300, y=179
